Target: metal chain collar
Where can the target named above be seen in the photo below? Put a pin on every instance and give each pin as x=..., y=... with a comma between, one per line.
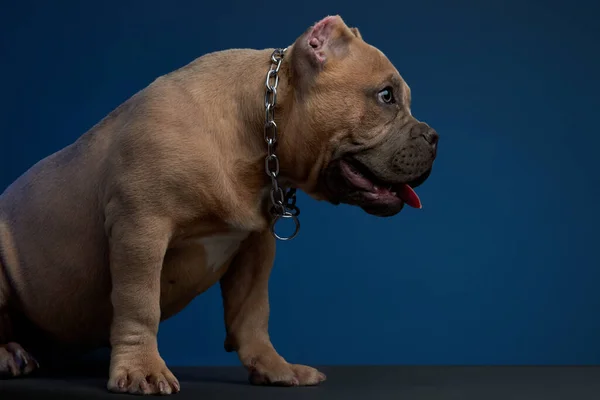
x=283, y=205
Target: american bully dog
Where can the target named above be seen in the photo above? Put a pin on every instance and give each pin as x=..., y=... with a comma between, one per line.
x=178, y=188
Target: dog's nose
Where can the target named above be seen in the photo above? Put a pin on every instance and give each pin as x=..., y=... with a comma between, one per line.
x=432, y=138
x=426, y=132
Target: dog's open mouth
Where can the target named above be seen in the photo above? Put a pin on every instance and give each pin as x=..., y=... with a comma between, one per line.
x=376, y=190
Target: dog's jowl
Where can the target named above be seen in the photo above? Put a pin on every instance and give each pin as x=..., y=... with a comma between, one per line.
x=168, y=195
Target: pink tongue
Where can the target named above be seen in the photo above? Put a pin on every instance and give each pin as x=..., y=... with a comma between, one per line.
x=408, y=195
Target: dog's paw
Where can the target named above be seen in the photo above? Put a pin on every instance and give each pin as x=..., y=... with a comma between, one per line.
x=308, y=376
x=142, y=378
x=280, y=373
x=15, y=361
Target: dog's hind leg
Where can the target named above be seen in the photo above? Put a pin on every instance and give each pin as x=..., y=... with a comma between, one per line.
x=14, y=360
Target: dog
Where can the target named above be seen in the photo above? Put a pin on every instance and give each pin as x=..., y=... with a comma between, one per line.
x=177, y=189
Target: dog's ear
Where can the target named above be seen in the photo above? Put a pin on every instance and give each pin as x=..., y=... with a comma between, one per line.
x=327, y=39
x=356, y=32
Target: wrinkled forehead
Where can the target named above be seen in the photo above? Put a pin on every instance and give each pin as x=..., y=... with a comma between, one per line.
x=375, y=68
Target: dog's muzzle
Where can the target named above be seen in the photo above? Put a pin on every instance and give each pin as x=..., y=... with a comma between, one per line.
x=412, y=161
x=381, y=179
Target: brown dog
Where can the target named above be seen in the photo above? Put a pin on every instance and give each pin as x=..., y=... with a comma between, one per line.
x=168, y=195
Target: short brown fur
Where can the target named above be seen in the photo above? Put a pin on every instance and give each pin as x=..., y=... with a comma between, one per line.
x=102, y=240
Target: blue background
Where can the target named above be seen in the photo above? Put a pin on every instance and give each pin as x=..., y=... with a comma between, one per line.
x=500, y=267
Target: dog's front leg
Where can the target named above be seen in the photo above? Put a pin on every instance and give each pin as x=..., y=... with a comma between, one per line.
x=246, y=302
x=137, y=248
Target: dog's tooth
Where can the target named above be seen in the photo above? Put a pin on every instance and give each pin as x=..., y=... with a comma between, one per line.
x=375, y=187
x=395, y=194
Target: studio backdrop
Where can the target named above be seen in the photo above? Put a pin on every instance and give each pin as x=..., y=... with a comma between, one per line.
x=500, y=266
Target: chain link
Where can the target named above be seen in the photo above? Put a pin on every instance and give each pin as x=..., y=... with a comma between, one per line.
x=283, y=203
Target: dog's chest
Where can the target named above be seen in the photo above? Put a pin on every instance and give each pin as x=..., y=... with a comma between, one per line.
x=218, y=249
x=193, y=265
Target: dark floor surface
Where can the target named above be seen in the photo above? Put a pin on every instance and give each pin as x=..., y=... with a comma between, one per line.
x=348, y=383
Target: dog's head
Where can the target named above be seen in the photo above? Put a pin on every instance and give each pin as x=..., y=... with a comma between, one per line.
x=353, y=138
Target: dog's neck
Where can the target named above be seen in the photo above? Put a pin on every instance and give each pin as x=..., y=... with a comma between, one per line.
x=284, y=117
x=248, y=102
x=288, y=117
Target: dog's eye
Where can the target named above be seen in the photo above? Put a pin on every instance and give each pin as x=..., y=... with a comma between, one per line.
x=387, y=95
